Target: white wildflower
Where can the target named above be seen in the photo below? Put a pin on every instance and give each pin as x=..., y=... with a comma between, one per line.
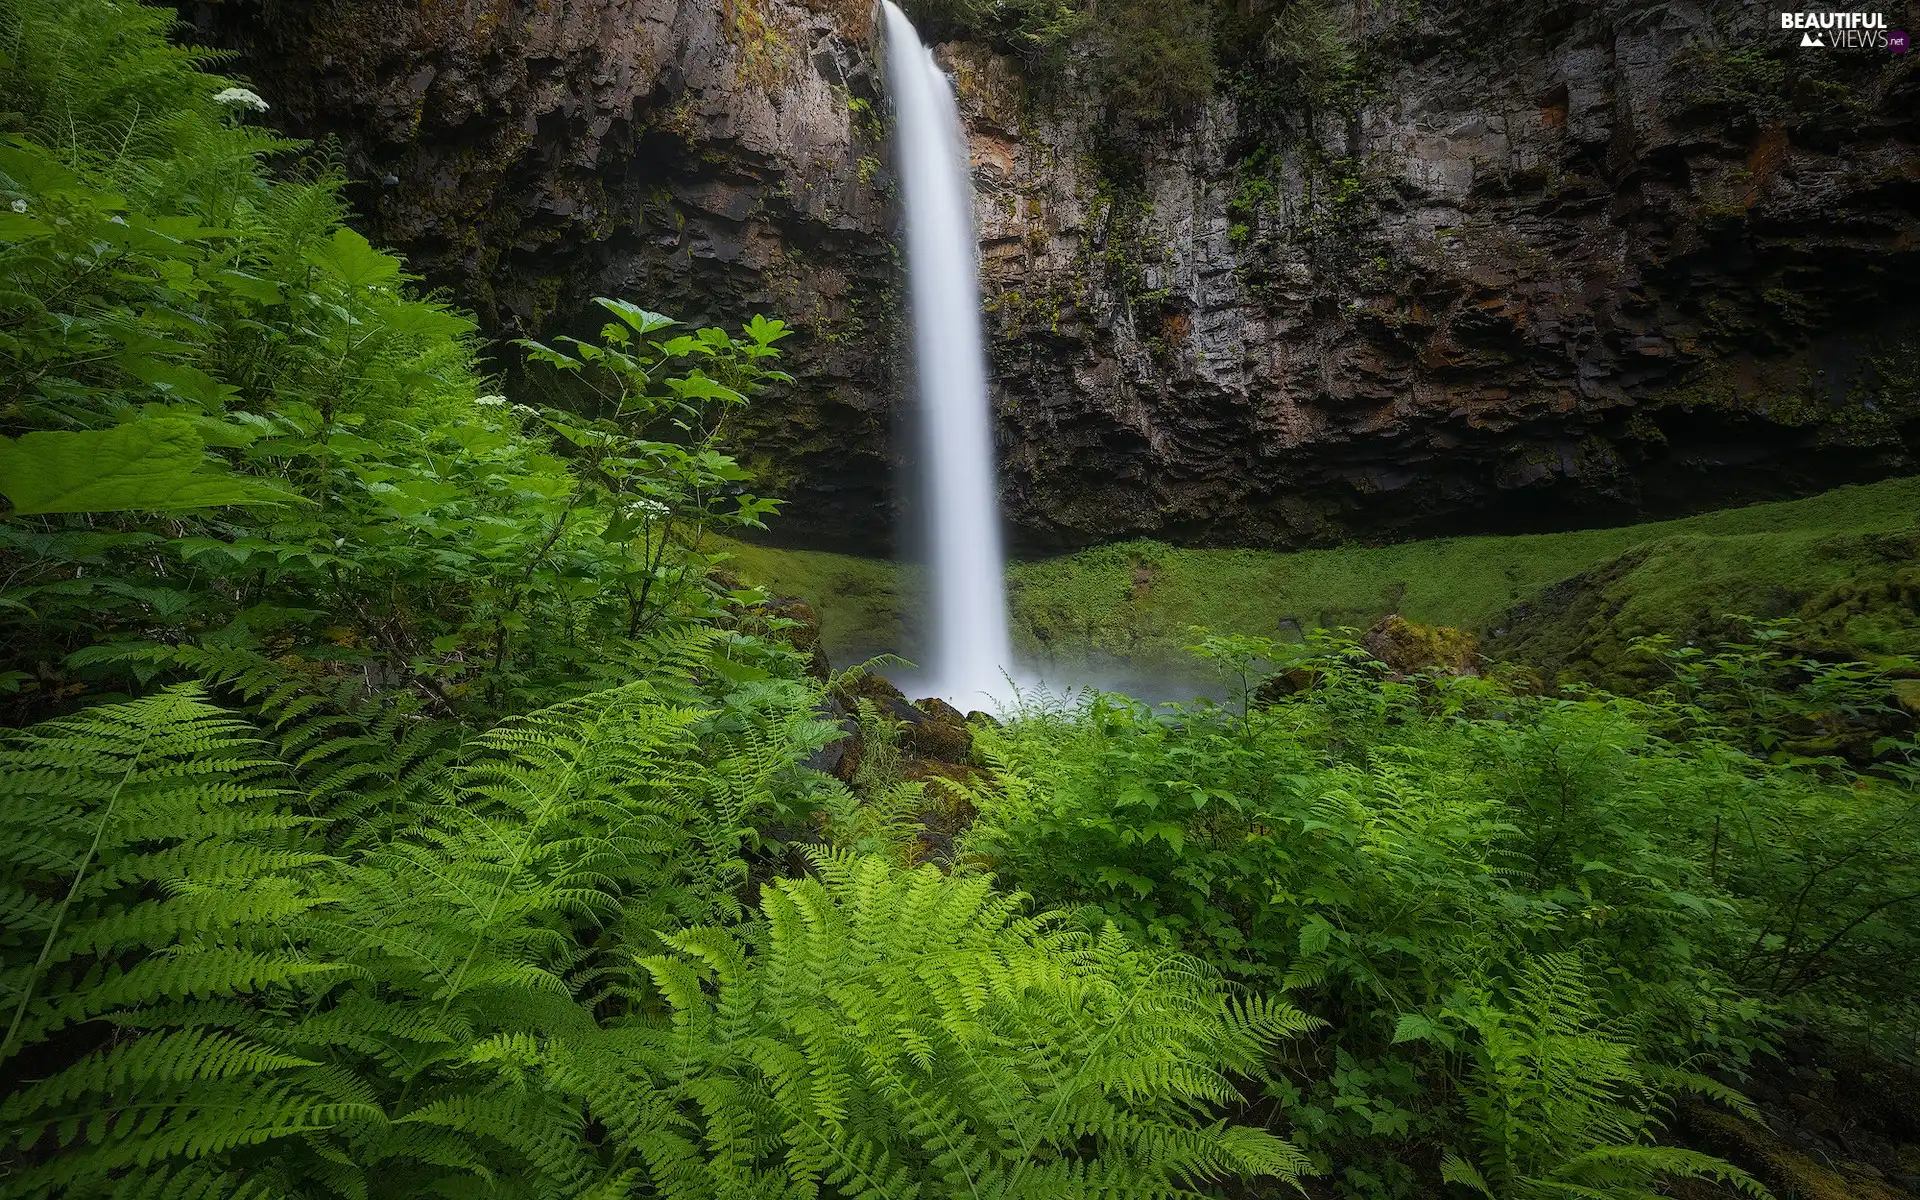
x=490, y=401
x=241, y=97
x=116, y=220
x=650, y=508
x=19, y=206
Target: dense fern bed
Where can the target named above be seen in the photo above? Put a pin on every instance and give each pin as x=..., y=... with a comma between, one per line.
x=1376, y=933
x=400, y=797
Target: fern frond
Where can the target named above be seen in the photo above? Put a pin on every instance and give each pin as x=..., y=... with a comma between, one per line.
x=907, y=1033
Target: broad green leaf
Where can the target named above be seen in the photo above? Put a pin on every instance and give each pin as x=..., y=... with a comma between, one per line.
x=675, y=347
x=214, y=431
x=643, y=322
x=261, y=291
x=18, y=227
x=737, y=672
x=178, y=378
x=152, y=465
x=1412, y=1027
x=418, y=319
x=1120, y=877
x=35, y=170
x=353, y=260
x=1316, y=935
x=1169, y=832
x=698, y=387
x=547, y=354
x=765, y=332
x=586, y=350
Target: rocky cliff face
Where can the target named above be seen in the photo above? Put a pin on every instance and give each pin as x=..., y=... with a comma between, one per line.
x=1556, y=264
x=707, y=160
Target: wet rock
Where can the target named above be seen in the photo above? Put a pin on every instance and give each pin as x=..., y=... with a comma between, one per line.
x=939, y=709
x=1281, y=684
x=948, y=811
x=840, y=758
x=943, y=736
x=1410, y=649
x=1554, y=271
x=887, y=700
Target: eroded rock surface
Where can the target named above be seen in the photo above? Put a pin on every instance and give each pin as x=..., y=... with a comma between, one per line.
x=1563, y=264
x=707, y=160
x=1571, y=263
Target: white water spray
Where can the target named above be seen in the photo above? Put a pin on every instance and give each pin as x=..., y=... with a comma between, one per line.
x=969, y=647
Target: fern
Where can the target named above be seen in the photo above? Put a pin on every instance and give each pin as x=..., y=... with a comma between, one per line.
x=165, y=832
x=319, y=1015
x=1560, y=1106
x=88, y=798
x=360, y=755
x=906, y=1034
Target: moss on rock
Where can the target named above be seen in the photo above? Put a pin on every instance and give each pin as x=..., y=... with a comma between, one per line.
x=1567, y=603
x=1411, y=649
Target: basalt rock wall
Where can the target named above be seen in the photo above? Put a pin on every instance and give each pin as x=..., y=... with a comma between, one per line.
x=1547, y=265
x=708, y=161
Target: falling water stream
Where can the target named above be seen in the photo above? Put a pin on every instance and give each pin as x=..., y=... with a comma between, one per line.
x=968, y=646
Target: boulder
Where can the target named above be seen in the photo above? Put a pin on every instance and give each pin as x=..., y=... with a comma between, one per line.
x=1411, y=649
x=942, y=736
x=1282, y=684
x=887, y=699
x=841, y=757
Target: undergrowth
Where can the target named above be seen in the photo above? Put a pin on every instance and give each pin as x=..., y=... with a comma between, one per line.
x=1527, y=922
x=396, y=800
x=386, y=816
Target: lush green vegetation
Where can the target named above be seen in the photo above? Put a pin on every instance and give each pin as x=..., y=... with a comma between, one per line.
x=866, y=605
x=385, y=821
x=1526, y=922
x=1148, y=63
x=400, y=800
x=1842, y=561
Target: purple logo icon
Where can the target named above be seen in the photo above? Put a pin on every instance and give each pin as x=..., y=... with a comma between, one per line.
x=1897, y=41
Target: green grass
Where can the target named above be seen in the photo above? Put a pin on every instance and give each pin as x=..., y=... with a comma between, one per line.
x=867, y=606
x=1840, y=555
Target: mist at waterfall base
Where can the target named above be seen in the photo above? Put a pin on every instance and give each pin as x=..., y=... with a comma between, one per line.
x=966, y=654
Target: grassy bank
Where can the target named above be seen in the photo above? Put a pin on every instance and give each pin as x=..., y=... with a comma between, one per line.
x=1843, y=560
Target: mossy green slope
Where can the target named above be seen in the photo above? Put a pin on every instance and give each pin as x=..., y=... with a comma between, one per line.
x=1846, y=560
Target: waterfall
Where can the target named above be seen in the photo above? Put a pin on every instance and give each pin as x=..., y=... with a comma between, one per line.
x=968, y=648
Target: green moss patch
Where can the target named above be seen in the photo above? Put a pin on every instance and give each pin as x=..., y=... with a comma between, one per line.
x=1845, y=561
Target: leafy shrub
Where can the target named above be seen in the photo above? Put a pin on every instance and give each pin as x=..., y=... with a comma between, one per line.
x=217, y=1005
x=188, y=337
x=1153, y=61
x=1382, y=850
x=1030, y=28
